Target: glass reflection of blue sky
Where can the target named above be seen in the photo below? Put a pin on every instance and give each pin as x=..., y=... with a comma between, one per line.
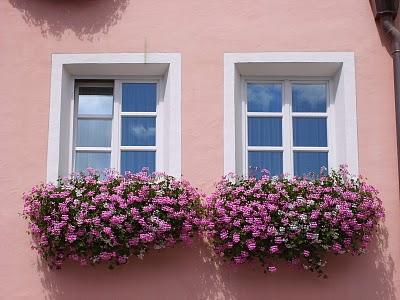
x=134, y=161
x=259, y=160
x=138, y=131
x=310, y=162
x=309, y=97
x=264, y=97
x=139, y=97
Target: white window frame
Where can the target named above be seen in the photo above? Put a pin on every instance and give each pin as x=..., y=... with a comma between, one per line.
x=163, y=68
x=336, y=68
x=287, y=115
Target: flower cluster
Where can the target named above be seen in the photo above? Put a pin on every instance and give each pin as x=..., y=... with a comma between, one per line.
x=92, y=219
x=298, y=220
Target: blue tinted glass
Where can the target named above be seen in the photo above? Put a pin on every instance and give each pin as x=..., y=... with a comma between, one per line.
x=310, y=162
x=140, y=97
x=97, y=160
x=138, y=131
x=259, y=160
x=265, y=131
x=135, y=161
x=264, y=97
x=93, y=133
x=309, y=97
x=309, y=132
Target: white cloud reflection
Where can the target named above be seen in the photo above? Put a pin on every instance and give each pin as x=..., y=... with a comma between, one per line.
x=95, y=105
x=141, y=131
x=309, y=97
x=264, y=97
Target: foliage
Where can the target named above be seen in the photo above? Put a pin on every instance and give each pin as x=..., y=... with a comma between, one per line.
x=91, y=219
x=297, y=220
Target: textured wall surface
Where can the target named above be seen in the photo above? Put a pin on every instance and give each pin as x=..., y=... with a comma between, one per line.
x=31, y=30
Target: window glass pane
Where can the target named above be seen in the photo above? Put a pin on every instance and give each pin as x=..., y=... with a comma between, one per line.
x=97, y=160
x=309, y=97
x=264, y=131
x=135, y=161
x=310, y=162
x=138, y=131
x=259, y=160
x=94, y=133
x=309, y=132
x=264, y=97
x=140, y=97
x=95, y=105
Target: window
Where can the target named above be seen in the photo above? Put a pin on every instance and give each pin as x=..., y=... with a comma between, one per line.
x=287, y=126
x=115, y=110
x=93, y=126
x=116, y=129
x=289, y=112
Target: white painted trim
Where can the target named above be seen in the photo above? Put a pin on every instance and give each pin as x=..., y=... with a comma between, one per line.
x=138, y=114
x=343, y=131
x=93, y=149
x=138, y=148
x=60, y=140
x=265, y=148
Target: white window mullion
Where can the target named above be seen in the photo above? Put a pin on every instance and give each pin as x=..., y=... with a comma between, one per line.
x=310, y=114
x=330, y=109
x=138, y=148
x=138, y=114
x=244, y=135
x=287, y=129
x=116, y=127
x=159, y=115
x=74, y=129
x=311, y=149
x=264, y=114
x=264, y=148
x=93, y=149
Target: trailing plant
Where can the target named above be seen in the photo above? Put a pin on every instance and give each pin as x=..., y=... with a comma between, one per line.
x=91, y=219
x=298, y=220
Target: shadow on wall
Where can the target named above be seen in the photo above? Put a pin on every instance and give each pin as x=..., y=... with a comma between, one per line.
x=84, y=18
x=195, y=273
x=181, y=272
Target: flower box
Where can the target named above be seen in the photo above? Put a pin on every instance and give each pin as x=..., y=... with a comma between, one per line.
x=90, y=220
x=297, y=220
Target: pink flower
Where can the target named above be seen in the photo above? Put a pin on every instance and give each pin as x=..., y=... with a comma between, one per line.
x=272, y=269
x=251, y=244
x=224, y=235
x=236, y=238
x=107, y=230
x=71, y=237
x=273, y=249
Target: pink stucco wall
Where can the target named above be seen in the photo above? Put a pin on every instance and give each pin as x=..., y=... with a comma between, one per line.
x=31, y=30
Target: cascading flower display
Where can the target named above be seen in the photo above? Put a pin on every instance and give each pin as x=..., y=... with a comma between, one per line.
x=298, y=220
x=91, y=219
